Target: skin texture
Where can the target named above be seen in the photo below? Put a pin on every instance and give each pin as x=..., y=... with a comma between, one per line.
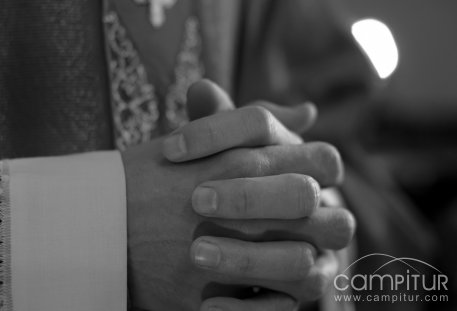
x=260, y=225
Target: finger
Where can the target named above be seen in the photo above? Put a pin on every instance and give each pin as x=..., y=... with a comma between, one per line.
x=320, y=276
x=298, y=118
x=271, y=301
x=327, y=228
x=274, y=261
x=244, y=127
x=319, y=160
x=315, y=283
x=288, y=196
x=205, y=98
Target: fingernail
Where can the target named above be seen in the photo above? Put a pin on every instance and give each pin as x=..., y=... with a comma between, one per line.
x=174, y=147
x=207, y=254
x=204, y=200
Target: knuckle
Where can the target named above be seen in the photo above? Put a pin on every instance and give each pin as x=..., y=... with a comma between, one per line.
x=211, y=133
x=345, y=226
x=328, y=158
x=264, y=121
x=246, y=264
x=304, y=263
x=243, y=205
x=245, y=163
x=263, y=164
x=308, y=192
x=256, y=163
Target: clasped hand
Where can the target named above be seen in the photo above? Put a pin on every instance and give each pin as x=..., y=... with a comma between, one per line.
x=229, y=202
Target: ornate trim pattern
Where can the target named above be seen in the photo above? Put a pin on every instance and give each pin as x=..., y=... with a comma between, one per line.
x=6, y=301
x=135, y=104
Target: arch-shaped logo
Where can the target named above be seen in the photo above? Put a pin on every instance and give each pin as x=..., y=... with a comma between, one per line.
x=418, y=280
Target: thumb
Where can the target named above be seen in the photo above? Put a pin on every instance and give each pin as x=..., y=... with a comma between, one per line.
x=297, y=118
x=205, y=98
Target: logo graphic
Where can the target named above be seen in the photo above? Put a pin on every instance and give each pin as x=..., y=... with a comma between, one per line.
x=391, y=279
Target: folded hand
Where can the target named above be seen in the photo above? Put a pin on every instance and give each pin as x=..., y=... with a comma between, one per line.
x=239, y=192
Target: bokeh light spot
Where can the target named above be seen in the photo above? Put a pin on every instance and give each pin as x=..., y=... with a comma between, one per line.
x=377, y=41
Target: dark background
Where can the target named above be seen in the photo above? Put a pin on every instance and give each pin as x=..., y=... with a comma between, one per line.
x=412, y=123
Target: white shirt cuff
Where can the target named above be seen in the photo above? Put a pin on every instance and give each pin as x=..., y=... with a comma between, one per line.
x=68, y=233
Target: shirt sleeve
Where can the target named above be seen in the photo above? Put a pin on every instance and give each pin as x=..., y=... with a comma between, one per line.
x=63, y=243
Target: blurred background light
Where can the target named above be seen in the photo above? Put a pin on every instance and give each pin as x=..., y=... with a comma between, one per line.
x=377, y=41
